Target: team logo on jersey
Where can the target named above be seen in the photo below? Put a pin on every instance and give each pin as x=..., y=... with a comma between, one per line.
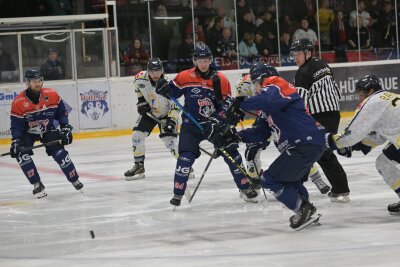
x=195, y=90
x=26, y=105
x=38, y=126
x=206, y=107
x=94, y=104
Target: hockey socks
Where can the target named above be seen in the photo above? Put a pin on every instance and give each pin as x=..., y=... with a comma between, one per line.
x=62, y=158
x=242, y=182
x=28, y=168
x=183, y=166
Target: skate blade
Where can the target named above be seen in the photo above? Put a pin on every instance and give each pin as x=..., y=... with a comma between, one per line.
x=345, y=199
x=313, y=220
x=136, y=177
x=41, y=194
x=394, y=213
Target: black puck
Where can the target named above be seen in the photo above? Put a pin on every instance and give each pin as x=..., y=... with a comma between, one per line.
x=92, y=234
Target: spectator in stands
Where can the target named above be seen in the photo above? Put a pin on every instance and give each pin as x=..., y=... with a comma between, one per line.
x=374, y=10
x=285, y=43
x=269, y=30
x=241, y=8
x=365, y=39
x=6, y=62
x=387, y=21
x=52, y=69
x=206, y=13
x=326, y=16
x=185, y=52
x=197, y=28
x=305, y=32
x=215, y=33
x=263, y=46
x=247, y=47
x=60, y=7
x=226, y=46
x=135, y=57
x=338, y=32
x=287, y=25
x=366, y=17
x=163, y=30
x=228, y=21
x=247, y=25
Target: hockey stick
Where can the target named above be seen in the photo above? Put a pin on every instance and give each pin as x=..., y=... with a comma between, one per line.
x=161, y=123
x=223, y=151
x=24, y=149
x=259, y=177
x=203, y=174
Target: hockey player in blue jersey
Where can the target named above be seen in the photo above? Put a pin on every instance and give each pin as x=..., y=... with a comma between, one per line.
x=298, y=137
x=35, y=115
x=205, y=91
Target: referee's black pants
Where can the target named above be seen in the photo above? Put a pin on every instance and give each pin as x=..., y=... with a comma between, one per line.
x=329, y=163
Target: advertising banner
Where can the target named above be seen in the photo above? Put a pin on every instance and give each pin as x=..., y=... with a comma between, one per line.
x=7, y=95
x=94, y=105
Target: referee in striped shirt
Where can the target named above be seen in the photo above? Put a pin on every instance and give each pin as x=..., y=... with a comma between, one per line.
x=315, y=84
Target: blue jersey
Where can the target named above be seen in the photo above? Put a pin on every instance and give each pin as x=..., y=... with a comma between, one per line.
x=283, y=115
x=200, y=99
x=27, y=117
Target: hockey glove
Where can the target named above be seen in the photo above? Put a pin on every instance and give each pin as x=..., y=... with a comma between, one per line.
x=211, y=127
x=169, y=126
x=66, y=134
x=252, y=149
x=162, y=87
x=143, y=108
x=15, y=149
x=362, y=147
x=345, y=152
x=233, y=113
x=228, y=139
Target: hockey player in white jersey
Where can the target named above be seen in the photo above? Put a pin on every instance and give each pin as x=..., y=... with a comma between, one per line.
x=376, y=121
x=151, y=107
x=245, y=89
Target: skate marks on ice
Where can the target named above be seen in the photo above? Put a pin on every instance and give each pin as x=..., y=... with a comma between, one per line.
x=134, y=225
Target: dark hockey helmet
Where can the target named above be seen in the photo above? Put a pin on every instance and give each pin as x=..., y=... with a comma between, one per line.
x=367, y=83
x=32, y=75
x=261, y=71
x=202, y=51
x=303, y=44
x=155, y=64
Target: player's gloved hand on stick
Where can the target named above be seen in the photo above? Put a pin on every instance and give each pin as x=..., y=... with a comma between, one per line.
x=143, y=108
x=345, y=151
x=169, y=126
x=66, y=134
x=16, y=147
x=252, y=149
x=211, y=127
x=233, y=112
x=162, y=87
x=226, y=139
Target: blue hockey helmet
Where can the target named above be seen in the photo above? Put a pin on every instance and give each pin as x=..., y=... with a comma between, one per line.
x=32, y=75
x=155, y=64
x=367, y=83
x=261, y=71
x=202, y=51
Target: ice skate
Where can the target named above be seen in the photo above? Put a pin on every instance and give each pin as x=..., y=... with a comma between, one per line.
x=38, y=190
x=176, y=201
x=255, y=184
x=302, y=216
x=249, y=195
x=340, y=198
x=394, y=209
x=137, y=172
x=77, y=184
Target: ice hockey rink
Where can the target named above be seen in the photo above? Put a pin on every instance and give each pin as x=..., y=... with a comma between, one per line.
x=134, y=224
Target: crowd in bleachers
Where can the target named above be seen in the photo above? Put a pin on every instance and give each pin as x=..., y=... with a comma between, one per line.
x=250, y=33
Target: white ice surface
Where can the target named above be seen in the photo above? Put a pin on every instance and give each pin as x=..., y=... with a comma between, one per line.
x=134, y=224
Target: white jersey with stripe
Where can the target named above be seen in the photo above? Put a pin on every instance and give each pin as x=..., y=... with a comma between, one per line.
x=160, y=105
x=377, y=119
